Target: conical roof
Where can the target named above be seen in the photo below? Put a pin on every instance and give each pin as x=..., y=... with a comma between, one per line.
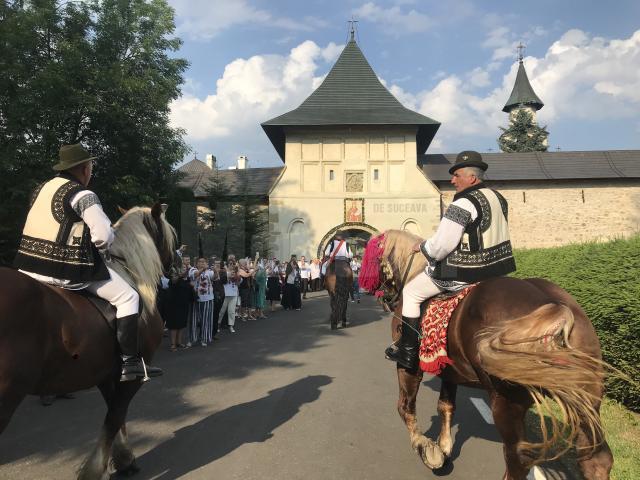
x=522, y=93
x=351, y=94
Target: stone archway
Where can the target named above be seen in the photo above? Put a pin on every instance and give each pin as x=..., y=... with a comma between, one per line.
x=360, y=232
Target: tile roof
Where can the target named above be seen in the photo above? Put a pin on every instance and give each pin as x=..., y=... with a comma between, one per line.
x=543, y=165
x=351, y=94
x=250, y=181
x=522, y=93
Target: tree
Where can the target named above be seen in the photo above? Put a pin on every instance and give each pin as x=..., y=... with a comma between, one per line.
x=97, y=72
x=523, y=135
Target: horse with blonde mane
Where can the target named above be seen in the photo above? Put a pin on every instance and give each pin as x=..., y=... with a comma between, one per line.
x=55, y=341
x=526, y=342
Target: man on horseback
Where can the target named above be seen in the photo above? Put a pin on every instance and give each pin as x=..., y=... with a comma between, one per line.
x=64, y=229
x=337, y=251
x=471, y=244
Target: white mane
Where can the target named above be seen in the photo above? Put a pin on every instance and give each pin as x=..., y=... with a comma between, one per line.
x=142, y=267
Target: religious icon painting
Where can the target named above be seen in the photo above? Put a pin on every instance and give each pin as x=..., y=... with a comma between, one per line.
x=354, y=210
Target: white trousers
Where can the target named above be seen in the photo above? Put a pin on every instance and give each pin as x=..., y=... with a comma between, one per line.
x=118, y=293
x=229, y=306
x=417, y=291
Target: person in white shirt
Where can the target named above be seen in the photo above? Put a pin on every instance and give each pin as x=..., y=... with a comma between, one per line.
x=315, y=275
x=230, y=279
x=305, y=275
x=338, y=250
x=274, y=284
x=60, y=244
x=202, y=315
x=355, y=291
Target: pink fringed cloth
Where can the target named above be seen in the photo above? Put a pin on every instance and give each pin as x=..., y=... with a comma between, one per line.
x=435, y=322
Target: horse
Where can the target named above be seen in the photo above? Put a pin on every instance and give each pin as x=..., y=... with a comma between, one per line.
x=54, y=341
x=526, y=342
x=338, y=281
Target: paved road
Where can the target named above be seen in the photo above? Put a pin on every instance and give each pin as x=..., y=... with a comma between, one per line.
x=283, y=398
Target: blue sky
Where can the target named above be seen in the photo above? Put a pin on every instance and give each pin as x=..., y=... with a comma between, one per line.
x=454, y=61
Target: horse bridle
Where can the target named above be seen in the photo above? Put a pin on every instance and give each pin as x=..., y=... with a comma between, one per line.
x=390, y=304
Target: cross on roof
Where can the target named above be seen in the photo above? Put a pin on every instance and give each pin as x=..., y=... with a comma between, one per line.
x=352, y=27
x=520, y=49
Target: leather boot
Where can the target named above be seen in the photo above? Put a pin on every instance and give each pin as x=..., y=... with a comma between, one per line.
x=127, y=334
x=405, y=350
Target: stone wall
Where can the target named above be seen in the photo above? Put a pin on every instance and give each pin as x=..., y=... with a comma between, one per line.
x=554, y=212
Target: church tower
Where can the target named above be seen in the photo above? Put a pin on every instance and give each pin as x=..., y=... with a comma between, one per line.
x=523, y=133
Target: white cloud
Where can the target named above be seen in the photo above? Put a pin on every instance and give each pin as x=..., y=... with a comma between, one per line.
x=394, y=20
x=204, y=19
x=251, y=91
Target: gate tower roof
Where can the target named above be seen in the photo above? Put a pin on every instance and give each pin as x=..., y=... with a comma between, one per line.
x=351, y=94
x=522, y=93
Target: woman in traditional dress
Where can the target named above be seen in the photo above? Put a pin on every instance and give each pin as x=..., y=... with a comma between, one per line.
x=291, y=296
x=273, y=282
x=260, y=290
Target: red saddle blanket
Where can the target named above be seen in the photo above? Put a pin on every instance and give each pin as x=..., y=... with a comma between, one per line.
x=434, y=325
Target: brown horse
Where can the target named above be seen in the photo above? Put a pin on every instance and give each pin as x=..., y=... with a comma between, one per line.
x=523, y=341
x=338, y=281
x=54, y=341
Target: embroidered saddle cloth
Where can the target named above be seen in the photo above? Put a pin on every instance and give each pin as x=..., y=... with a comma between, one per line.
x=434, y=324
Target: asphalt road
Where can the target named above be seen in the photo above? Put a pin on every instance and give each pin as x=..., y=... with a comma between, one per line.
x=283, y=398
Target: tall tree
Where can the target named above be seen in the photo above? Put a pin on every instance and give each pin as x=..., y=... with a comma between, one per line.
x=99, y=72
x=523, y=135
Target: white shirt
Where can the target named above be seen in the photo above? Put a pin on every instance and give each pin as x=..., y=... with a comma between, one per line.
x=315, y=271
x=344, y=251
x=355, y=266
x=100, y=228
x=291, y=279
x=203, y=284
x=230, y=290
x=305, y=270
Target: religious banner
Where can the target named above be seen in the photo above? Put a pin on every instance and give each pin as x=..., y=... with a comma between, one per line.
x=354, y=210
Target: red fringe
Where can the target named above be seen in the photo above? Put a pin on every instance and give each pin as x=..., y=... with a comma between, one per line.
x=435, y=367
x=369, y=277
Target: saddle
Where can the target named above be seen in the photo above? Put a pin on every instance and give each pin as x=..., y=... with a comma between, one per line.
x=436, y=314
x=105, y=309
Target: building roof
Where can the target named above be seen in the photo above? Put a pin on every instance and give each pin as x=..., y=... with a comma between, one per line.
x=522, y=93
x=198, y=177
x=351, y=94
x=576, y=165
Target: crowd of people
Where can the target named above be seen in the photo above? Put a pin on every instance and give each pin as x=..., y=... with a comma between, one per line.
x=209, y=295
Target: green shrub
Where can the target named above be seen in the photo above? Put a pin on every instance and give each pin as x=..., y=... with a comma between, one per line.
x=605, y=280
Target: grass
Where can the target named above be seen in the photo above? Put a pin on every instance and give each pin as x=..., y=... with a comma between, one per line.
x=622, y=427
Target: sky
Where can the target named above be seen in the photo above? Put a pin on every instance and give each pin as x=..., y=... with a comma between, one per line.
x=454, y=61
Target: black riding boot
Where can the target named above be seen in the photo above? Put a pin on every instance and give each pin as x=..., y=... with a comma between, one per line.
x=405, y=350
x=127, y=333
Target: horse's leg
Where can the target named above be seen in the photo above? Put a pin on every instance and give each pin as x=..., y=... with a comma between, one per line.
x=446, y=408
x=429, y=451
x=118, y=398
x=595, y=463
x=508, y=415
x=10, y=398
x=334, y=310
x=124, y=461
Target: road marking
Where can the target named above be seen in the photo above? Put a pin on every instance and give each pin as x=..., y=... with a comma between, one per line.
x=536, y=474
x=483, y=408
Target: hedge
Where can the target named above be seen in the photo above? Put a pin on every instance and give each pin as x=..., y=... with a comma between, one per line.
x=605, y=280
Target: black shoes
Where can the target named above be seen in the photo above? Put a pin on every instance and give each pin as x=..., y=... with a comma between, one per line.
x=405, y=351
x=132, y=368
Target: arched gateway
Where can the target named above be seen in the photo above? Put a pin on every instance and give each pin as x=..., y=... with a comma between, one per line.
x=356, y=234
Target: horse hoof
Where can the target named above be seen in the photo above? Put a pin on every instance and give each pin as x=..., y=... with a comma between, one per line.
x=431, y=454
x=129, y=471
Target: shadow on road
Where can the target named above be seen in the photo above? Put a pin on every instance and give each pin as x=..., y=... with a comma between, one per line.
x=219, y=434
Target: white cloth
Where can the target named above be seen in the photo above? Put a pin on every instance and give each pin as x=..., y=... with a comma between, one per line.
x=415, y=292
x=230, y=290
x=305, y=270
x=101, y=235
x=355, y=267
x=343, y=251
x=203, y=284
x=164, y=282
x=228, y=306
x=315, y=271
x=291, y=279
x=118, y=293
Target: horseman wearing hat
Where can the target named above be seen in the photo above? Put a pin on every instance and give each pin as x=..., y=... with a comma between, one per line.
x=64, y=230
x=338, y=250
x=471, y=244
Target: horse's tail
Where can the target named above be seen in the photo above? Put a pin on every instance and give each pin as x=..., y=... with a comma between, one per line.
x=534, y=351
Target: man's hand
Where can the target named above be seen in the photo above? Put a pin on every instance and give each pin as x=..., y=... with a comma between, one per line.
x=416, y=247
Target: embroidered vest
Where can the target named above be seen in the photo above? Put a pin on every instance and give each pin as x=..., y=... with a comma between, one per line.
x=485, y=249
x=55, y=241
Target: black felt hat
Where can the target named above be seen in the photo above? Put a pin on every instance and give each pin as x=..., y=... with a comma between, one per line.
x=468, y=158
x=72, y=155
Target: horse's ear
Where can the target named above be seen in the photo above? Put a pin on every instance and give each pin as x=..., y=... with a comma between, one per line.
x=122, y=210
x=156, y=210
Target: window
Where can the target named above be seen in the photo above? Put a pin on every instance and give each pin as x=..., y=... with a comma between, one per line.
x=376, y=174
x=331, y=175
